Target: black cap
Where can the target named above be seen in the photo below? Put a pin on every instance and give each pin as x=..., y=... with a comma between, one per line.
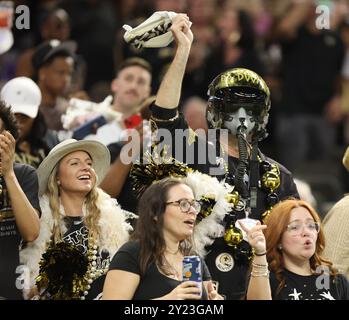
x=50, y=48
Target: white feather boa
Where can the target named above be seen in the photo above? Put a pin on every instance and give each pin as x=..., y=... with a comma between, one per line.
x=210, y=227
x=114, y=232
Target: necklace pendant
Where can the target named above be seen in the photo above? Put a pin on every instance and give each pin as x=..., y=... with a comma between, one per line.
x=241, y=205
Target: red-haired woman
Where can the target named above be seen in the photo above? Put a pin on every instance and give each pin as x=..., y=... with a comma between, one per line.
x=294, y=245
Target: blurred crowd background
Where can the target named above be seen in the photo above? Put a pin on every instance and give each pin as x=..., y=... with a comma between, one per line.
x=306, y=67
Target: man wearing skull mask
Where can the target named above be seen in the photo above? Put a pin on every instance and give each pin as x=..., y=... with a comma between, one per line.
x=238, y=106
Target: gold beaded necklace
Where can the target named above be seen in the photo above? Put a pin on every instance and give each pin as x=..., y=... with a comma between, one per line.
x=84, y=285
x=226, y=152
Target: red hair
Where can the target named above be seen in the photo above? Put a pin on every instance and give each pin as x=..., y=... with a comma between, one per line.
x=277, y=223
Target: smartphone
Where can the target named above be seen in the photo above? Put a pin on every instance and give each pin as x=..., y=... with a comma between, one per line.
x=133, y=121
x=89, y=127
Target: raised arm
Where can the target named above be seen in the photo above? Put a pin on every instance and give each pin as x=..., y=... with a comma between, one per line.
x=115, y=178
x=170, y=89
x=119, y=170
x=259, y=285
x=27, y=218
x=295, y=17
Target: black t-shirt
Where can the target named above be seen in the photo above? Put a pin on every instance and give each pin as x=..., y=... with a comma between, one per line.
x=153, y=284
x=77, y=235
x=230, y=272
x=314, y=287
x=10, y=237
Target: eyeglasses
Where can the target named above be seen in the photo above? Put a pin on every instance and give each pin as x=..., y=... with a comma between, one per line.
x=296, y=228
x=185, y=205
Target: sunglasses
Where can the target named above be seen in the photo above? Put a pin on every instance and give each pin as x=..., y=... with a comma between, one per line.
x=230, y=100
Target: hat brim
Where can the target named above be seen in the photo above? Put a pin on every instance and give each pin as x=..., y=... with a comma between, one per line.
x=67, y=47
x=27, y=110
x=100, y=160
x=6, y=40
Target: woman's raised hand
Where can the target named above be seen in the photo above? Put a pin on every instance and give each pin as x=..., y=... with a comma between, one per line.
x=255, y=236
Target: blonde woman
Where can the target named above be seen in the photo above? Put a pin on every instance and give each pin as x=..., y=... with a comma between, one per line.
x=81, y=226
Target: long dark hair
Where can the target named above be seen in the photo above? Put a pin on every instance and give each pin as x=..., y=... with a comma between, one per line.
x=36, y=135
x=149, y=228
x=9, y=119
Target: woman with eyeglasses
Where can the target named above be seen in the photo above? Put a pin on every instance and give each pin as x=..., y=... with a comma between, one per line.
x=150, y=265
x=294, y=245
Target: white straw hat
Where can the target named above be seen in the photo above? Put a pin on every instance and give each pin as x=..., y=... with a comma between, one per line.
x=99, y=153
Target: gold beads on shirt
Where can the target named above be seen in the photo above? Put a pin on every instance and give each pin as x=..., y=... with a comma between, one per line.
x=233, y=235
